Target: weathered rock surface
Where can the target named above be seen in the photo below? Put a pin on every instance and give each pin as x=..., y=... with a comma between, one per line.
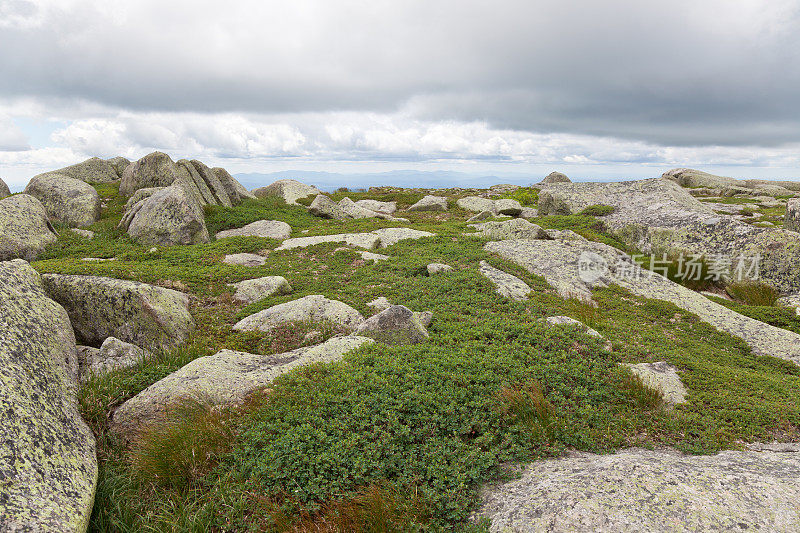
x=289, y=190
x=272, y=229
x=119, y=164
x=379, y=304
x=508, y=286
x=151, y=317
x=48, y=468
x=384, y=238
x=387, y=208
x=662, y=377
x=324, y=207
x=573, y=268
x=658, y=216
x=168, y=217
x=437, y=268
x=236, y=192
x=517, y=228
x=202, y=184
x=556, y=177
x=687, y=177
x=476, y=204
x=314, y=308
x=430, y=203
x=224, y=378
x=4, y=190
x=113, y=354
x=370, y=256
x=93, y=170
x=651, y=490
x=396, y=324
x=66, y=200
x=696, y=179
x=245, y=259
x=24, y=228
x=791, y=220
x=483, y=215
x=253, y=290
x=354, y=210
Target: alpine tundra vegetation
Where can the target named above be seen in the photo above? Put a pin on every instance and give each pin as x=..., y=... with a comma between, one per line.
x=198, y=357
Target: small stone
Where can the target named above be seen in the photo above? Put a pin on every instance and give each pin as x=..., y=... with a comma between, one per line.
x=483, y=215
x=271, y=229
x=324, y=207
x=395, y=325
x=83, y=233
x=244, y=259
x=436, y=268
x=508, y=206
x=370, y=256
x=507, y=285
x=253, y=290
x=379, y=304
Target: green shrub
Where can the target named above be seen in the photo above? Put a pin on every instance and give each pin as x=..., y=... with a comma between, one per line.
x=527, y=196
x=598, y=210
x=753, y=293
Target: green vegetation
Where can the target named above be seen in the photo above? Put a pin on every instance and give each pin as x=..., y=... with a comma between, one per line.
x=753, y=293
x=527, y=196
x=598, y=210
x=399, y=437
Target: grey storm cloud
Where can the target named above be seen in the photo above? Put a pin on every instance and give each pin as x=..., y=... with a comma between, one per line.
x=698, y=72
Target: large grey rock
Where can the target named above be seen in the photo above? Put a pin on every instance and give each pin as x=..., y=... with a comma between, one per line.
x=289, y=190
x=93, y=170
x=476, y=204
x=314, y=308
x=507, y=206
x=687, y=177
x=224, y=378
x=66, y=200
x=24, y=228
x=391, y=236
x=201, y=183
x=651, y=490
x=387, y=208
x=113, y=354
x=517, y=228
x=507, y=285
x=135, y=198
x=355, y=210
x=662, y=377
x=556, y=177
x=658, y=216
x=272, y=229
x=430, y=203
x=4, y=190
x=573, y=268
x=151, y=317
x=119, y=164
x=396, y=324
x=235, y=190
x=324, y=207
x=168, y=217
x=791, y=220
x=252, y=290
x=48, y=468
x=153, y=170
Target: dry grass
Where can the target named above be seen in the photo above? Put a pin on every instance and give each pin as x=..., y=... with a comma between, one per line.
x=527, y=404
x=642, y=396
x=753, y=293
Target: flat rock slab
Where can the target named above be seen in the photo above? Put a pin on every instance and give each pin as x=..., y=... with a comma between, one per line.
x=224, y=378
x=248, y=260
x=379, y=238
x=656, y=491
x=151, y=317
x=271, y=229
x=48, y=468
x=252, y=290
x=314, y=308
x=573, y=268
x=508, y=286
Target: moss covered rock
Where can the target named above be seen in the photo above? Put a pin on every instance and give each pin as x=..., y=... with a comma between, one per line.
x=93, y=170
x=168, y=217
x=223, y=378
x=66, y=200
x=289, y=190
x=119, y=164
x=48, y=469
x=236, y=191
x=314, y=308
x=651, y=490
x=24, y=227
x=151, y=317
x=4, y=190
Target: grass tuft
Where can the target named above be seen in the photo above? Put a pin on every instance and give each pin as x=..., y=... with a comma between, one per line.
x=642, y=396
x=753, y=293
x=528, y=406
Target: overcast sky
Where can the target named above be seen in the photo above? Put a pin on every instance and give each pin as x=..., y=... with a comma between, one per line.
x=507, y=86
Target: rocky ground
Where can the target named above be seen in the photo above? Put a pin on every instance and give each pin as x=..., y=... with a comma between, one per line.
x=181, y=354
